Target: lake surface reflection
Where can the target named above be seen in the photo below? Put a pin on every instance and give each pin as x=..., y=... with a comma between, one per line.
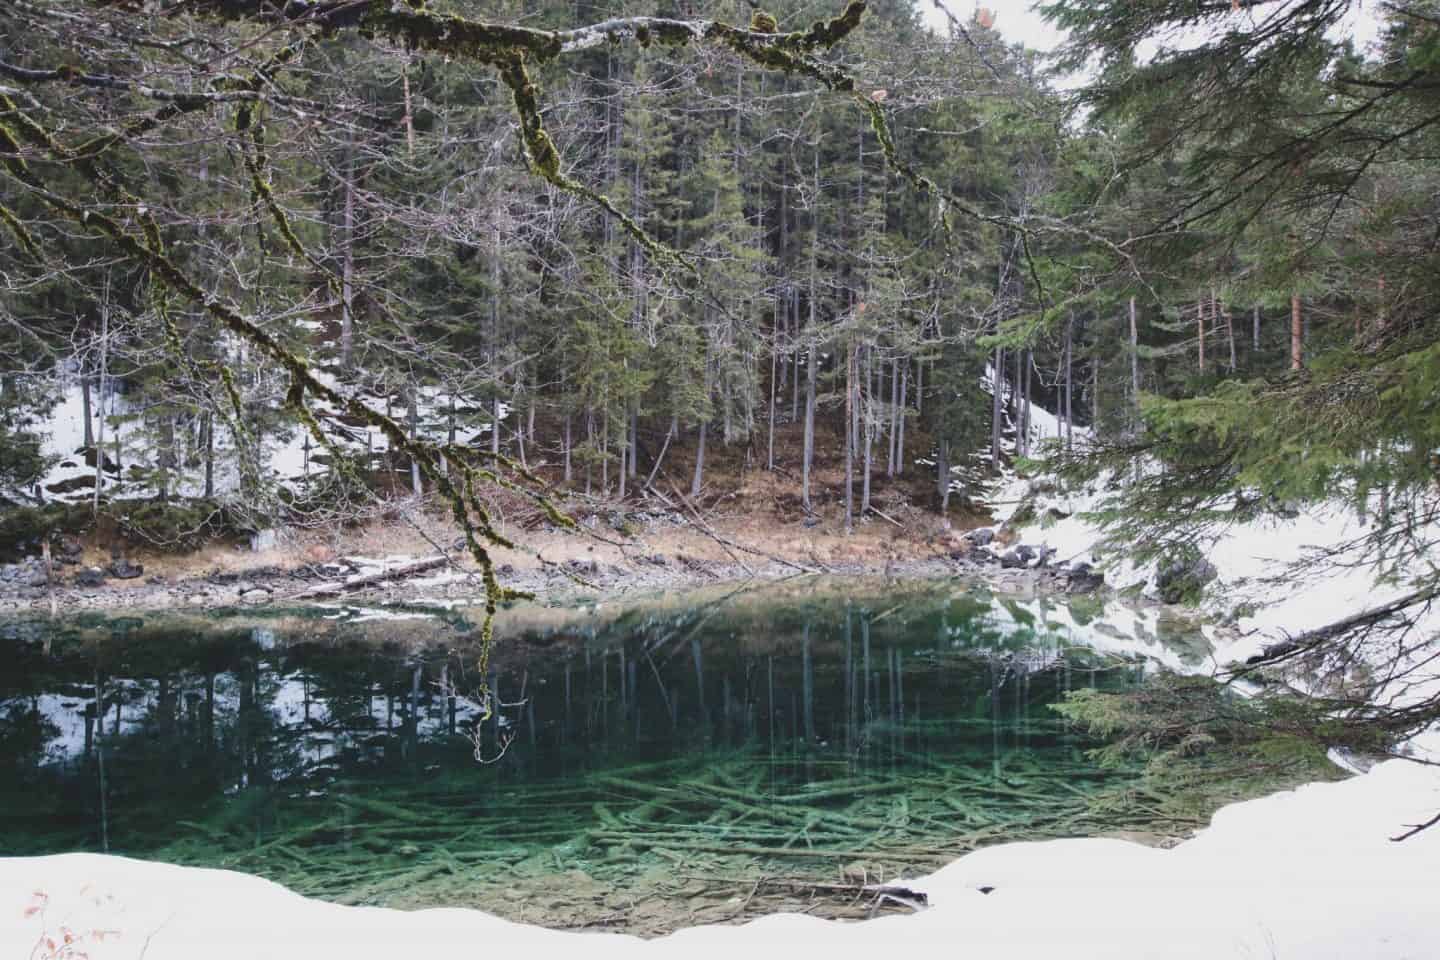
x=801, y=728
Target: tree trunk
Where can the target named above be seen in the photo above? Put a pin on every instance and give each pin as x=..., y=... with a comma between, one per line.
x=900, y=414
x=85, y=413
x=414, y=434
x=942, y=476
x=997, y=380
x=894, y=416
x=809, y=453
x=1255, y=331
x=774, y=364
x=698, y=480
x=850, y=438
x=866, y=415
x=347, y=268
x=1297, y=334
x=1134, y=357
x=1200, y=331
x=210, y=454
x=1069, y=391
x=100, y=445
x=1230, y=333
x=671, y=433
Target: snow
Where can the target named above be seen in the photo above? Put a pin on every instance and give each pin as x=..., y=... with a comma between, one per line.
x=289, y=456
x=1309, y=874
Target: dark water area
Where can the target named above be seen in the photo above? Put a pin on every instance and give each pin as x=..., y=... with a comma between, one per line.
x=801, y=731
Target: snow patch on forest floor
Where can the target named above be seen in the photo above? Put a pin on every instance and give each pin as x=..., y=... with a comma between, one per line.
x=1309, y=873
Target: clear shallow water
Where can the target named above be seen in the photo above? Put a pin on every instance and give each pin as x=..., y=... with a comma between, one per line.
x=644, y=757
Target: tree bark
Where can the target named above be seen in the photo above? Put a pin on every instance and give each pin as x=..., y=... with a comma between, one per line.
x=900, y=416
x=99, y=447
x=1134, y=357
x=1297, y=334
x=997, y=379
x=850, y=438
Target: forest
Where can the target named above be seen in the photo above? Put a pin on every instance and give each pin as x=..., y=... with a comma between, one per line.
x=1112, y=317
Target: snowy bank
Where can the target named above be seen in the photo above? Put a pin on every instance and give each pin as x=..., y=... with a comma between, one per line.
x=1309, y=873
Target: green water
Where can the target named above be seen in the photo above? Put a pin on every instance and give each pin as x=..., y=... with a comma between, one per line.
x=640, y=753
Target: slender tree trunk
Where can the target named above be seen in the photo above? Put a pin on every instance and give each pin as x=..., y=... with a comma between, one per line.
x=997, y=380
x=865, y=412
x=850, y=438
x=450, y=432
x=1029, y=394
x=99, y=447
x=1230, y=334
x=942, y=476
x=890, y=452
x=414, y=434
x=634, y=437
x=698, y=480
x=812, y=347
x=671, y=433
x=85, y=412
x=347, y=267
x=1297, y=334
x=1069, y=387
x=1200, y=330
x=210, y=454
x=774, y=364
x=1255, y=327
x=900, y=415
x=589, y=447
x=1095, y=391
x=1134, y=357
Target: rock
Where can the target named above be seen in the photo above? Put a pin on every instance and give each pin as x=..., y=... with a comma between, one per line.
x=68, y=548
x=1083, y=578
x=123, y=569
x=1013, y=559
x=1026, y=553
x=657, y=560
x=262, y=540
x=1182, y=578
x=90, y=577
x=980, y=537
x=1044, y=557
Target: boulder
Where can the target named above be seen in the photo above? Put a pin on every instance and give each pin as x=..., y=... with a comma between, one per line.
x=980, y=537
x=1083, y=578
x=90, y=577
x=123, y=569
x=1013, y=559
x=1182, y=578
x=68, y=548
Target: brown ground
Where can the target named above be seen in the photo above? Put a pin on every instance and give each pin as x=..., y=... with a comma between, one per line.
x=647, y=539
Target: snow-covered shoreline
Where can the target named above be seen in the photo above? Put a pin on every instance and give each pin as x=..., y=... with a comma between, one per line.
x=1308, y=873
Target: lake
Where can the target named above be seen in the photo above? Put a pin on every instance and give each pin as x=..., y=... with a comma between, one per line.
x=649, y=763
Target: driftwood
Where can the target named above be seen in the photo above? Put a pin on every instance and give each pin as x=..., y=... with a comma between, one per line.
x=876, y=510
x=336, y=587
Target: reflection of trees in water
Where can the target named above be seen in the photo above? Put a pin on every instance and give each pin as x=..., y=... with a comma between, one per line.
x=225, y=725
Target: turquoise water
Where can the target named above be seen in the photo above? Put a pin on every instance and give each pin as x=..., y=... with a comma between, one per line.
x=797, y=730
